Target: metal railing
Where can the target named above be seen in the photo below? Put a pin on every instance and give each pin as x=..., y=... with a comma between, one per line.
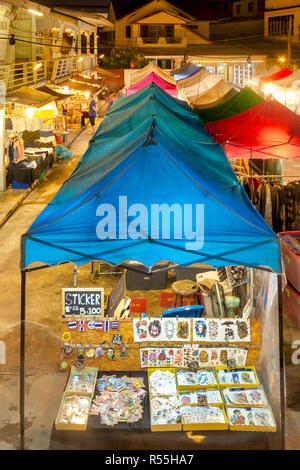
x=20, y=74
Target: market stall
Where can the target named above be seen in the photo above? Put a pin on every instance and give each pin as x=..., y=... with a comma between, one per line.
x=141, y=74
x=217, y=94
x=192, y=87
x=78, y=97
x=186, y=70
x=29, y=138
x=242, y=101
x=165, y=85
x=214, y=372
x=267, y=130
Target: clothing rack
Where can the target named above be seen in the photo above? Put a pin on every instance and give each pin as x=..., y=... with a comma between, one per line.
x=266, y=176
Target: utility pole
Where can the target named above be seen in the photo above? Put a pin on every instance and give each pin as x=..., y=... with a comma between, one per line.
x=289, y=48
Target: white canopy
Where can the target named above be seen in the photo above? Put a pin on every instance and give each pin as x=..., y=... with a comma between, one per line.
x=193, y=87
x=214, y=94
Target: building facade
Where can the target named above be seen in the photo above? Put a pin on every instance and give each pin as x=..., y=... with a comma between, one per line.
x=280, y=15
x=168, y=35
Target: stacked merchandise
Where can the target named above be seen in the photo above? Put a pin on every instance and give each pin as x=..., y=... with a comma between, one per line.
x=77, y=398
x=217, y=398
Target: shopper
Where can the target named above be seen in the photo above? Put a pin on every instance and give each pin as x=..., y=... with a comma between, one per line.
x=92, y=114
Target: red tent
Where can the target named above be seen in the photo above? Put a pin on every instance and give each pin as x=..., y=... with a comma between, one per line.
x=268, y=130
x=277, y=76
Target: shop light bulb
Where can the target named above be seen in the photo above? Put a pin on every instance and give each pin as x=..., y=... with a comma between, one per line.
x=80, y=59
x=29, y=112
x=37, y=66
x=281, y=59
x=101, y=56
x=35, y=12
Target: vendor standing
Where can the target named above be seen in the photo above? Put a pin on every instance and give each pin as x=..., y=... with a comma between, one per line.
x=93, y=113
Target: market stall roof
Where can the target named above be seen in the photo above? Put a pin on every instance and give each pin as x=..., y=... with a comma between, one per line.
x=289, y=80
x=104, y=72
x=179, y=108
x=108, y=208
x=28, y=96
x=126, y=113
x=277, y=75
x=140, y=74
x=268, y=72
x=152, y=77
x=50, y=91
x=186, y=70
x=243, y=100
x=88, y=81
x=268, y=130
x=190, y=88
x=215, y=94
x=73, y=85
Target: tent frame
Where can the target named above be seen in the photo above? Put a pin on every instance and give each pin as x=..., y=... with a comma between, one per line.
x=22, y=352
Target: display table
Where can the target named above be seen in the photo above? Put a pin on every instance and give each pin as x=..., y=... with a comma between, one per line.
x=140, y=439
x=138, y=436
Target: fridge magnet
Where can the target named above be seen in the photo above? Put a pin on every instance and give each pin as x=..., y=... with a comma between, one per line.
x=123, y=353
x=111, y=353
x=117, y=339
x=99, y=351
x=68, y=350
x=243, y=330
x=90, y=352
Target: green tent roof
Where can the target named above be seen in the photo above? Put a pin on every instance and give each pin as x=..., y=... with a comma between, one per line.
x=238, y=103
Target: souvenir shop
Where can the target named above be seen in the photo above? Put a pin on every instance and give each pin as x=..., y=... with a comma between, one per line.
x=183, y=349
x=79, y=92
x=29, y=136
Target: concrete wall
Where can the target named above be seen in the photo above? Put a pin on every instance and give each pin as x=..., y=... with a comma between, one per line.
x=236, y=29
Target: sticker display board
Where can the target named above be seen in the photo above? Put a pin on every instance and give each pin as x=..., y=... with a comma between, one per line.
x=82, y=302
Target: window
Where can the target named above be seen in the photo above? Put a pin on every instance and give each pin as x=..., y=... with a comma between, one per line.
x=250, y=7
x=164, y=63
x=128, y=32
x=152, y=32
x=83, y=44
x=279, y=25
x=238, y=10
x=92, y=43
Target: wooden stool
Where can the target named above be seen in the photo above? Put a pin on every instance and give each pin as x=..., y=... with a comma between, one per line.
x=185, y=288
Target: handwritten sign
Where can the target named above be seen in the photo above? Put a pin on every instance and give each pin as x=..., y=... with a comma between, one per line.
x=83, y=302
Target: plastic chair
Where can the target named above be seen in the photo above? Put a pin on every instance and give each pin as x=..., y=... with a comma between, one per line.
x=190, y=311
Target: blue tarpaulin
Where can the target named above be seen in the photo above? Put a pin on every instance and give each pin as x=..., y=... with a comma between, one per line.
x=150, y=187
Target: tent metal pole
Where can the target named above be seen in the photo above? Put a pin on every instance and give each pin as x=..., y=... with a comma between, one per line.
x=22, y=359
x=281, y=364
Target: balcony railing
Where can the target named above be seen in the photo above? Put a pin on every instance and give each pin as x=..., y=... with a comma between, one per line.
x=17, y=75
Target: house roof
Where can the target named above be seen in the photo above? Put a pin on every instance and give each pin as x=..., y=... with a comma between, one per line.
x=197, y=9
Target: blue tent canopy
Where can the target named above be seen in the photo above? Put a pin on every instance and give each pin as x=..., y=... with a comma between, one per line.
x=185, y=71
x=151, y=187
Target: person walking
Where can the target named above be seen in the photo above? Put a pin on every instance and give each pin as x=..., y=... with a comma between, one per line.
x=93, y=114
